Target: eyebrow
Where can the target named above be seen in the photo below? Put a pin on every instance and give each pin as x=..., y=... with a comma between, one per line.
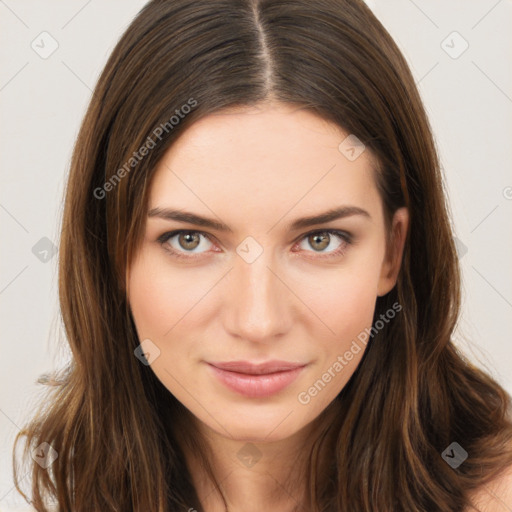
x=303, y=222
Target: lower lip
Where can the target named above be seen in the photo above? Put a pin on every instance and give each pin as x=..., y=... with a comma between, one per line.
x=255, y=386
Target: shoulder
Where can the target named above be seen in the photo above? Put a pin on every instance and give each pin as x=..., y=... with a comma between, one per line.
x=496, y=496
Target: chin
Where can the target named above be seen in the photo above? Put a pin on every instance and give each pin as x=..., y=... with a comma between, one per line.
x=258, y=422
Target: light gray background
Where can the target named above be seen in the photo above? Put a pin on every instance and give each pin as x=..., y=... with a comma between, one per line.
x=468, y=98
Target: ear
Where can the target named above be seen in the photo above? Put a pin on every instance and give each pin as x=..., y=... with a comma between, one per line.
x=394, y=251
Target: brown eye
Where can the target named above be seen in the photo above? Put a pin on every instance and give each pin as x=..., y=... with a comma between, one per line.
x=189, y=240
x=326, y=243
x=185, y=243
x=319, y=241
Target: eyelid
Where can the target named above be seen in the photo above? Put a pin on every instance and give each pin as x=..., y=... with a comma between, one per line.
x=346, y=237
x=162, y=239
x=333, y=231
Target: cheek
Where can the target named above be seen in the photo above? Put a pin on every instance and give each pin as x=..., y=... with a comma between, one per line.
x=345, y=298
x=161, y=301
x=346, y=306
x=345, y=301
x=157, y=297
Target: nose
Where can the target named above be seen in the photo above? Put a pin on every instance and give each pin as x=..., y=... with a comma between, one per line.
x=258, y=303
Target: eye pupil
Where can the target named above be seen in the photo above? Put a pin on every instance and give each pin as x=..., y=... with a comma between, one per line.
x=321, y=238
x=186, y=242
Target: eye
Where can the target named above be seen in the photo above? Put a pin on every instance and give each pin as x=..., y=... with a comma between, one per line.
x=179, y=242
x=188, y=243
x=321, y=240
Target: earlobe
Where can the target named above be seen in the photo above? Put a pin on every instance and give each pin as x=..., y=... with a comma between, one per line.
x=393, y=259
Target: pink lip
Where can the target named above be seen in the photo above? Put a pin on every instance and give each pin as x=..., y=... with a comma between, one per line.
x=256, y=380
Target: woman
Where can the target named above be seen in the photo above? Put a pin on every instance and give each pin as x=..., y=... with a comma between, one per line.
x=258, y=280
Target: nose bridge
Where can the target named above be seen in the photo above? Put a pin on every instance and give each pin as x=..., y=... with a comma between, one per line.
x=256, y=300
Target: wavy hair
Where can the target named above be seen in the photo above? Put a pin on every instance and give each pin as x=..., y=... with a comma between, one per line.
x=118, y=432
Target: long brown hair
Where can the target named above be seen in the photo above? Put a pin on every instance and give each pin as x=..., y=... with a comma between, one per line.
x=413, y=393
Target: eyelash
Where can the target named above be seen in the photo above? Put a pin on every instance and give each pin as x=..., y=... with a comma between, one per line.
x=345, y=237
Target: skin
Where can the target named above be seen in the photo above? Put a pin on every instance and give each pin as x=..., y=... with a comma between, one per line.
x=256, y=170
x=496, y=496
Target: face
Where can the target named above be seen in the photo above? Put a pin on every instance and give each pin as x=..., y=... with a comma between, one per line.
x=251, y=318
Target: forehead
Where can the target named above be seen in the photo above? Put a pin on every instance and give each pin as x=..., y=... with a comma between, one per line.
x=261, y=162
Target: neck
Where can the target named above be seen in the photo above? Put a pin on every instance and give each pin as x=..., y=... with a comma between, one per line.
x=254, y=475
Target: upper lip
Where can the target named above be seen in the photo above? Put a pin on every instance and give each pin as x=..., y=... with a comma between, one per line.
x=257, y=368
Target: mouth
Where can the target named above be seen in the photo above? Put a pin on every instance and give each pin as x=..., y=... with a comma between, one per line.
x=256, y=380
